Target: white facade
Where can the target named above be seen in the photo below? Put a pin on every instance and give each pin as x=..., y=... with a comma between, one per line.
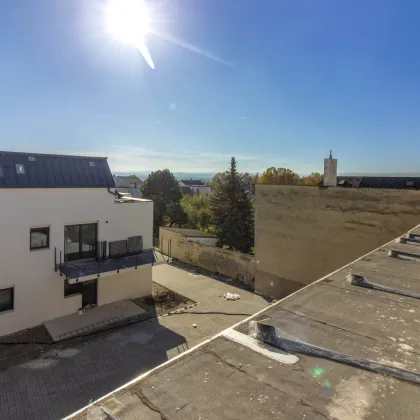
x=38, y=288
x=330, y=172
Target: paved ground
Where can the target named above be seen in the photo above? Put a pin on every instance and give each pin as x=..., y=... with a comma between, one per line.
x=64, y=380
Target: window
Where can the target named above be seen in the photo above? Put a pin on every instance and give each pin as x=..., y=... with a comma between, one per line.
x=40, y=238
x=7, y=297
x=92, y=164
x=72, y=289
x=20, y=169
x=31, y=158
x=80, y=241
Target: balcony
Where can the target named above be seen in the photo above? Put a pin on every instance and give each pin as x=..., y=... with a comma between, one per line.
x=123, y=255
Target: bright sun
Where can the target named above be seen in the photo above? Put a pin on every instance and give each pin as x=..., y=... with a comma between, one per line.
x=128, y=21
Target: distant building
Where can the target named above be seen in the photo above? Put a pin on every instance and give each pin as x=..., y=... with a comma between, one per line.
x=129, y=184
x=356, y=181
x=387, y=182
x=193, y=186
x=330, y=171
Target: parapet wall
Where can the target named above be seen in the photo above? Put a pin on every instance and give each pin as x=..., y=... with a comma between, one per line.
x=304, y=233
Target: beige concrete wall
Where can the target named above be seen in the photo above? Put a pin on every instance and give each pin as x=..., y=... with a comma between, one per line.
x=203, y=241
x=129, y=285
x=217, y=260
x=304, y=233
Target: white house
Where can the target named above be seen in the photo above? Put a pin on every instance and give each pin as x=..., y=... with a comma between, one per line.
x=66, y=239
x=128, y=184
x=194, y=186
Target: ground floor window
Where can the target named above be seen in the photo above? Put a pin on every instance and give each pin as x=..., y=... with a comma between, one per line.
x=88, y=289
x=72, y=289
x=7, y=299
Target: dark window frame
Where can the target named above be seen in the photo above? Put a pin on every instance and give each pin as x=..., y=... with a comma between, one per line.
x=35, y=248
x=72, y=289
x=80, y=254
x=12, y=308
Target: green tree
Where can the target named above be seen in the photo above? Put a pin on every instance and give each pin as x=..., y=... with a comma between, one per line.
x=197, y=210
x=232, y=212
x=163, y=188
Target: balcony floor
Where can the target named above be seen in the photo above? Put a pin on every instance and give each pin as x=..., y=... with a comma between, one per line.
x=75, y=270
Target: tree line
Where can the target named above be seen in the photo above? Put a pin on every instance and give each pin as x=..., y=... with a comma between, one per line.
x=228, y=211
x=285, y=176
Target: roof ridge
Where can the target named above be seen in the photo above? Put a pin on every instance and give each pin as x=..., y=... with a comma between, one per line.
x=3, y=152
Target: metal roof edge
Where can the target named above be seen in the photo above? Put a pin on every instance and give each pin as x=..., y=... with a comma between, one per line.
x=58, y=155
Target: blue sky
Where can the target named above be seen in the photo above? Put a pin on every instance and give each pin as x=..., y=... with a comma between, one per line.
x=277, y=83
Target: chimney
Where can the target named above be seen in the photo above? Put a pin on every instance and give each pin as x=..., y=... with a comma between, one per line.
x=330, y=171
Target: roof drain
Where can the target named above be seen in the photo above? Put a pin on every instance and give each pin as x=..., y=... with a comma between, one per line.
x=271, y=335
x=358, y=280
x=114, y=193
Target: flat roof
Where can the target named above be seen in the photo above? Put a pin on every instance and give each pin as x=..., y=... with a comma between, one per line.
x=192, y=233
x=226, y=379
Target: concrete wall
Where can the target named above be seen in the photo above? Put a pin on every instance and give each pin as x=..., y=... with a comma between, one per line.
x=217, y=260
x=304, y=233
x=127, y=285
x=203, y=241
x=38, y=289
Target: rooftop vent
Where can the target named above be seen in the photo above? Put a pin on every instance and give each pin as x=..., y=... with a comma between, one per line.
x=20, y=169
x=31, y=158
x=92, y=164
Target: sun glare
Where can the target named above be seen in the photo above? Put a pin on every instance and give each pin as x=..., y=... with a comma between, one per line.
x=128, y=21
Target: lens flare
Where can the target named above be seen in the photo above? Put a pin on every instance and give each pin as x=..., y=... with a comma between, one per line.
x=128, y=21
x=317, y=372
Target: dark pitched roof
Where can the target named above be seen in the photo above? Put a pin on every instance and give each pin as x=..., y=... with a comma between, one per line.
x=390, y=182
x=396, y=182
x=349, y=181
x=192, y=182
x=34, y=170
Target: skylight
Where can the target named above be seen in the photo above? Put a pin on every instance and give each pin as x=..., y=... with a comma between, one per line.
x=20, y=169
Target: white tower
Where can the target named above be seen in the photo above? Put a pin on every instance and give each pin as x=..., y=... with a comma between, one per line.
x=330, y=171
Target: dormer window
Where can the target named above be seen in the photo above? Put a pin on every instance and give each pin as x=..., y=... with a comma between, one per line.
x=92, y=164
x=20, y=169
x=31, y=158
